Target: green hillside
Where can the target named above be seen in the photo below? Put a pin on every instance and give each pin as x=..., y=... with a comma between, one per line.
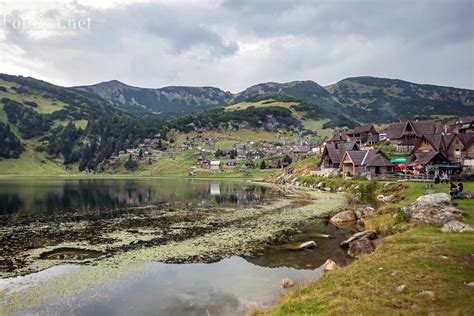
x=379, y=100
x=317, y=126
x=359, y=99
x=165, y=102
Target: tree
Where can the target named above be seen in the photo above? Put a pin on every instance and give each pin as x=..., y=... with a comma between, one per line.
x=263, y=165
x=140, y=154
x=130, y=164
x=287, y=160
x=10, y=145
x=233, y=154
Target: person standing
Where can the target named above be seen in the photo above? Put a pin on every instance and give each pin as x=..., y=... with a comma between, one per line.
x=446, y=177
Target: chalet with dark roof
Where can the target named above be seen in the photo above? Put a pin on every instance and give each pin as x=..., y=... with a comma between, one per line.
x=338, y=137
x=441, y=149
x=462, y=124
x=405, y=135
x=366, y=134
x=333, y=153
x=372, y=163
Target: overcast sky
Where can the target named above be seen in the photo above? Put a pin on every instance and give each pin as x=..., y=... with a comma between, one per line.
x=235, y=44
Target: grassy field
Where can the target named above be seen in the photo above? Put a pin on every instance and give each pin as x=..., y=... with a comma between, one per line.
x=315, y=126
x=45, y=105
x=422, y=258
x=31, y=163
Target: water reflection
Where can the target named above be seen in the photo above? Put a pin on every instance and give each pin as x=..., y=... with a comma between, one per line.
x=230, y=287
x=52, y=195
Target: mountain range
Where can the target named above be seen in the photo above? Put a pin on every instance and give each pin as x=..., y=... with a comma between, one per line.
x=363, y=99
x=85, y=125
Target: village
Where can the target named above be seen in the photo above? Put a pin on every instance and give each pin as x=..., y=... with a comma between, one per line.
x=415, y=149
x=418, y=149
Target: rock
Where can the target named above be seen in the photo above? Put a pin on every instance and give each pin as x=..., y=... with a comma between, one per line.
x=328, y=189
x=455, y=226
x=321, y=235
x=463, y=195
x=434, y=199
x=359, y=213
x=385, y=198
x=343, y=217
x=321, y=185
x=470, y=284
x=436, y=214
x=360, y=247
x=401, y=288
x=330, y=265
x=340, y=189
x=364, y=211
x=388, y=199
x=368, y=211
x=427, y=293
x=287, y=283
x=308, y=245
x=370, y=234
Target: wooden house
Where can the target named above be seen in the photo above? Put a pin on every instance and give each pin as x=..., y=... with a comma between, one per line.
x=372, y=163
x=215, y=165
x=231, y=163
x=249, y=163
x=366, y=134
x=377, y=165
x=462, y=124
x=352, y=163
x=332, y=154
x=443, y=149
x=338, y=137
x=405, y=135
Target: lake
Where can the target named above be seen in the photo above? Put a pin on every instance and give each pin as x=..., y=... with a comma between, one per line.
x=157, y=246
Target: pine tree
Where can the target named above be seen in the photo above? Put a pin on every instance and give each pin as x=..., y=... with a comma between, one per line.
x=263, y=165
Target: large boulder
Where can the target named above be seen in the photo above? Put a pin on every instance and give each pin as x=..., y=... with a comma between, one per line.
x=343, y=217
x=436, y=214
x=434, y=199
x=370, y=234
x=361, y=247
x=455, y=226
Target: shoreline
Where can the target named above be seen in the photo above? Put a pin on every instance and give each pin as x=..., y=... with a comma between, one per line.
x=405, y=255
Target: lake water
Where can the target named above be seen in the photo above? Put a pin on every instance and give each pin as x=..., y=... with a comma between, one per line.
x=49, y=195
x=232, y=286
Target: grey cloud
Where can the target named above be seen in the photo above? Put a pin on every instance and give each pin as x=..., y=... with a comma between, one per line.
x=234, y=44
